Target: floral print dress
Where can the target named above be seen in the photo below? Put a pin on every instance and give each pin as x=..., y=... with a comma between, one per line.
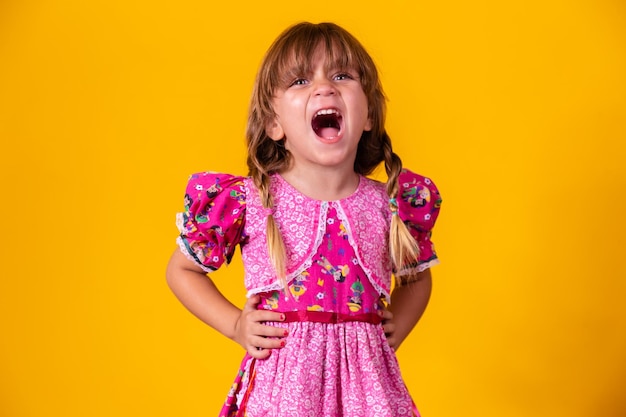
x=336, y=361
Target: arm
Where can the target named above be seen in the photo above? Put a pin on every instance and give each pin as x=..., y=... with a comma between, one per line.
x=200, y=296
x=408, y=303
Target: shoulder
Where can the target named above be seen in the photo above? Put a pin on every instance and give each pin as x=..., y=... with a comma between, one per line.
x=418, y=198
x=213, y=183
x=216, y=196
x=408, y=178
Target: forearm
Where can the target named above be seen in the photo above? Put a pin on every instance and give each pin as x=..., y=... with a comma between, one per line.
x=408, y=303
x=201, y=297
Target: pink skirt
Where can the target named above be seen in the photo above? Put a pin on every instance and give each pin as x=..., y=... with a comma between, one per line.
x=332, y=365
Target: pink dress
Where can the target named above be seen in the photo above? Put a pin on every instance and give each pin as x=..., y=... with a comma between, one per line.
x=336, y=361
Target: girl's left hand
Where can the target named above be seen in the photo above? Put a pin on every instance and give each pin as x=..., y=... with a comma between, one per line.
x=388, y=326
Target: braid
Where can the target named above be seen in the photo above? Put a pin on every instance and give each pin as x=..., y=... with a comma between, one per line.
x=275, y=244
x=403, y=248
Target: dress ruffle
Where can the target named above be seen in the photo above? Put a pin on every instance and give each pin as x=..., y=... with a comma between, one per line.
x=213, y=221
x=419, y=203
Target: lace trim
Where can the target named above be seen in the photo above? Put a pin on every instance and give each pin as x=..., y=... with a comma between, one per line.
x=344, y=219
x=180, y=221
x=419, y=268
x=183, y=248
x=321, y=227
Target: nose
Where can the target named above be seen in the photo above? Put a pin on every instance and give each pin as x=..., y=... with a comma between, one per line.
x=324, y=87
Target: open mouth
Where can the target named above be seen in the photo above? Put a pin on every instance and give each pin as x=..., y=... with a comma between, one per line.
x=327, y=123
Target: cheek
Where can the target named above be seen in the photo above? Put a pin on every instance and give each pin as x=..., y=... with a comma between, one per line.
x=289, y=106
x=366, y=115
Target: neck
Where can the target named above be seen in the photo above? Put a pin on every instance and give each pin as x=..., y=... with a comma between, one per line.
x=327, y=185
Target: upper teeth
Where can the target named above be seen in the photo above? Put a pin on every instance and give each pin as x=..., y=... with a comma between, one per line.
x=326, y=111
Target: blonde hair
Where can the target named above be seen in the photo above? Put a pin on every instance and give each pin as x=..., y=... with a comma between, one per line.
x=291, y=54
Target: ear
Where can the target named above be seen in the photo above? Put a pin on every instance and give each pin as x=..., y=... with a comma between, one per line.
x=368, y=125
x=274, y=130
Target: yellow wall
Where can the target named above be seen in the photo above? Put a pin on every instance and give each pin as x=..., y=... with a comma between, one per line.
x=516, y=109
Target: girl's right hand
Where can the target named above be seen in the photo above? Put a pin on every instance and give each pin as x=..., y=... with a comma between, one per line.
x=259, y=339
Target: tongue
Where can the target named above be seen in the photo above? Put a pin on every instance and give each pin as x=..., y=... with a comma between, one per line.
x=328, y=132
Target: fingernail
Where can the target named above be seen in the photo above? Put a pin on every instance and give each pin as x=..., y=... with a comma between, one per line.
x=286, y=333
x=282, y=317
x=282, y=343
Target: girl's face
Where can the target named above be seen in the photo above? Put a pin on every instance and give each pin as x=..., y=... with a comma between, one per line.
x=321, y=116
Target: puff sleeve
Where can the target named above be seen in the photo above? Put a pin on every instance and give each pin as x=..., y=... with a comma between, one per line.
x=419, y=202
x=212, y=224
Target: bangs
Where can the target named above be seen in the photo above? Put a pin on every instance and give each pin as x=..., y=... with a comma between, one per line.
x=340, y=50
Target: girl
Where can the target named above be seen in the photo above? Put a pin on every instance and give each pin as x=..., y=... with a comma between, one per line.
x=319, y=240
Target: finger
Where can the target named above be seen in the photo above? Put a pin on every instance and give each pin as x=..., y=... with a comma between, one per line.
x=385, y=314
x=273, y=331
x=265, y=315
x=254, y=331
x=261, y=347
x=389, y=327
x=391, y=341
x=264, y=330
x=259, y=353
x=269, y=343
x=390, y=335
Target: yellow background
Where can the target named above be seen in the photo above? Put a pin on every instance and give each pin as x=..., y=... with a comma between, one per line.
x=516, y=109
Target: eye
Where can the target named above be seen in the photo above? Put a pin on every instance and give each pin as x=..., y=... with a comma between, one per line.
x=343, y=76
x=298, y=81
